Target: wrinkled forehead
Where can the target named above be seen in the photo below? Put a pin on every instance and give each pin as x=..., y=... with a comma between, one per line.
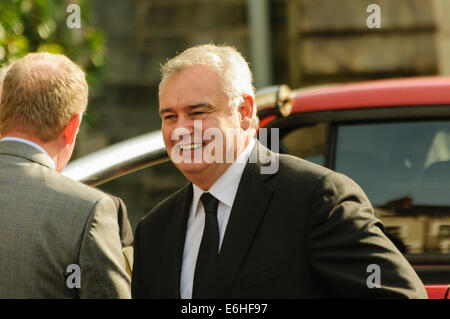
x=194, y=70
x=193, y=85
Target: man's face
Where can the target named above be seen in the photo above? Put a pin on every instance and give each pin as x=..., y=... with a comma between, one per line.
x=193, y=103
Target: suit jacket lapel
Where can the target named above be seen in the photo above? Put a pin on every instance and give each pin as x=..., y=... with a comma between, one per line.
x=250, y=204
x=174, y=243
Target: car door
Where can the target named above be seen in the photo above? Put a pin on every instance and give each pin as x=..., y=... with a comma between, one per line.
x=404, y=168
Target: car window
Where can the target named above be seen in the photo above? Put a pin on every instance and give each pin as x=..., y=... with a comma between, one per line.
x=307, y=142
x=404, y=168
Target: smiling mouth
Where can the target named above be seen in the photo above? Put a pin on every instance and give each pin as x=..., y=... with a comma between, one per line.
x=192, y=146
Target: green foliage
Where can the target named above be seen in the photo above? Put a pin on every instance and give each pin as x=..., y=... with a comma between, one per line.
x=40, y=25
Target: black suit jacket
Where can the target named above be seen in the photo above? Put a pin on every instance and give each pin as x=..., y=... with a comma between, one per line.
x=302, y=232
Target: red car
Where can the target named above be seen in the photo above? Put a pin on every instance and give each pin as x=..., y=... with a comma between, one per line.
x=391, y=136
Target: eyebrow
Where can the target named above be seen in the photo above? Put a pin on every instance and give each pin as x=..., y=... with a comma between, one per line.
x=189, y=107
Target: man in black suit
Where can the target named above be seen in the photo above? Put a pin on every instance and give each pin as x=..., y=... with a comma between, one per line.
x=242, y=229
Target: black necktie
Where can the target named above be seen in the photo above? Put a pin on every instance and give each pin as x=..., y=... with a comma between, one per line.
x=209, y=248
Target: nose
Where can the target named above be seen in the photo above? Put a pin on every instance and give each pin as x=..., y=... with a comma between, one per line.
x=185, y=122
x=186, y=129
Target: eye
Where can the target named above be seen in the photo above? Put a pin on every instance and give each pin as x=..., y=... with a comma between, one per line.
x=198, y=114
x=169, y=117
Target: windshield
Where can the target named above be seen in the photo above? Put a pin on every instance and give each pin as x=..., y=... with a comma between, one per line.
x=404, y=168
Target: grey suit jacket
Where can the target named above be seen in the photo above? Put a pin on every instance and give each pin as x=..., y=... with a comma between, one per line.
x=49, y=222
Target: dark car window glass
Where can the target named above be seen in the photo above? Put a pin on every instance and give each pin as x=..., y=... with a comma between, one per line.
x=308, y=142
x=404, y=168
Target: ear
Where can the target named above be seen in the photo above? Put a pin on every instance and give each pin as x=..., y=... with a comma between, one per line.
x=71, y=129
x=246, y=112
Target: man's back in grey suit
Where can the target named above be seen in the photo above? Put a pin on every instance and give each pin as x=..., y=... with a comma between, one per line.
x=48, y=222
x=58, y=238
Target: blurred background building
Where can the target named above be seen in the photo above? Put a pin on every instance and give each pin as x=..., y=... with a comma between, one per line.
x=293, y=42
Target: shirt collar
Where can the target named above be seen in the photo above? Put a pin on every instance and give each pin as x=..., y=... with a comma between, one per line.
x=40, y=148
x=225, y=188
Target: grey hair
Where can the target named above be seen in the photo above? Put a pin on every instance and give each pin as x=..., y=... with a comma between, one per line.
x=226, y=61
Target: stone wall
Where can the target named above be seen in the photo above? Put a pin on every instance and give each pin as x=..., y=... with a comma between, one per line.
x=314, y=41
x=331, y=42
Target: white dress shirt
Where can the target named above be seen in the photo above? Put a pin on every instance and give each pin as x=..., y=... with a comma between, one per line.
x=224, y=189
x=36, y=146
